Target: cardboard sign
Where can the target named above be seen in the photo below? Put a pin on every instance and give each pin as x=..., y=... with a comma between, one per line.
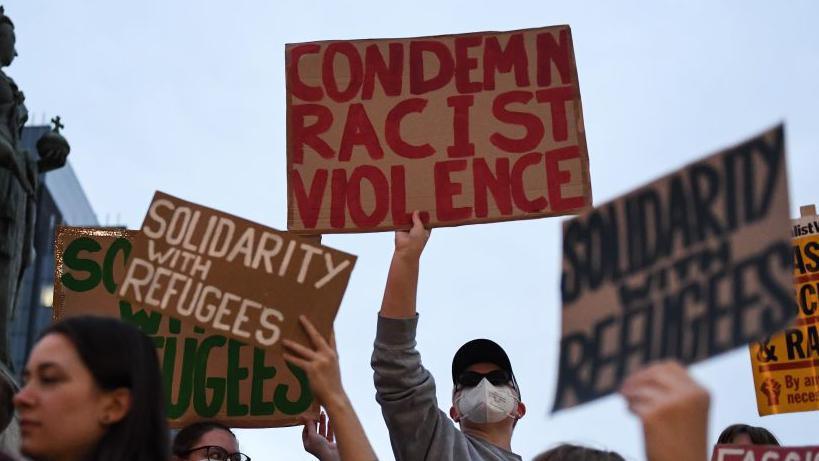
x=694, y=264
x=231, y=276
x=206, y=375
x=467, y=128
x=786, y=365
x=764, y=453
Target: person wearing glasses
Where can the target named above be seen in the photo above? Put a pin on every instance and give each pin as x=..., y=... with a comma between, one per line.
x=212, y=441
x=486, y=398
x=206, y=441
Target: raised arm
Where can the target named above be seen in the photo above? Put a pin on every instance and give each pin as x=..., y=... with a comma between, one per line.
x=402, y=280
x=673, y=409
x=321, y=365
x=404, y=388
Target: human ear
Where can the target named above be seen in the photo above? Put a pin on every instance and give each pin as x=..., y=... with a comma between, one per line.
x=116, y=405
x=453, y=413
x=521, y=410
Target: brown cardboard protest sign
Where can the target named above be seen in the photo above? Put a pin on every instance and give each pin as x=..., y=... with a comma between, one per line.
x=206, y=374
x=232, y=276
x=689, y=266
x=764, y=453
x=786, y=365
x=467, y=128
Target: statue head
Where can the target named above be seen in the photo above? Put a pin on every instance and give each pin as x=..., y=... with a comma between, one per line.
x=7, y=39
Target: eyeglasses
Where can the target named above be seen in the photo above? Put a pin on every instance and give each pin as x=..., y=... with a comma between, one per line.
x=472, y=378
x=214, y=453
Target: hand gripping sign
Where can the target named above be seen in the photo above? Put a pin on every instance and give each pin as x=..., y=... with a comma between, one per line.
x=786, y=365
x=468, y=128
x=206, y=375
x=210, y=371
x=692, y=265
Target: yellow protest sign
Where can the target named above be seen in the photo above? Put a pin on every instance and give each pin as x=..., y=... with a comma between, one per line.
x=786, y=365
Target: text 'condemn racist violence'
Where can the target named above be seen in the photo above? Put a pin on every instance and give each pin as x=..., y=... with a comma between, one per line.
x=469, y=128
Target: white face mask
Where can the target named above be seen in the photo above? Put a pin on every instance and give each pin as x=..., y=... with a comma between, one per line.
x=486, y=403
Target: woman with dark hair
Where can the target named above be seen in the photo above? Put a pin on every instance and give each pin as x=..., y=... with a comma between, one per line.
x=206, y=440
x=92, y=392
x=743, y=434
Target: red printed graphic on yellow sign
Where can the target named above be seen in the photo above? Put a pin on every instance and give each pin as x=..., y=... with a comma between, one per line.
x=786, y=365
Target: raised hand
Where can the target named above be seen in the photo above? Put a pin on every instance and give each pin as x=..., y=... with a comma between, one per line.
x=318, y=438
x=412, y=242
x=320, y=363
x=673, y=409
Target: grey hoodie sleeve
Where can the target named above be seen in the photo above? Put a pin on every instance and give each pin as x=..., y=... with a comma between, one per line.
x=406, y=392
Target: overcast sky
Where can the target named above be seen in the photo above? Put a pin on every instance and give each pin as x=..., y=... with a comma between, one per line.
x=188, y=97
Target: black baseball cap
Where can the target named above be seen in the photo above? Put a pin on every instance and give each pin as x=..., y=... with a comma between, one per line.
x=481, y=350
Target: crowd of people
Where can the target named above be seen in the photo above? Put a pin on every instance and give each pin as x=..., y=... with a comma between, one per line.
x=92, y=391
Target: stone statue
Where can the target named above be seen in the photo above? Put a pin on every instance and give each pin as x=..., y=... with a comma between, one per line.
x=9, y=424
x=19, y=172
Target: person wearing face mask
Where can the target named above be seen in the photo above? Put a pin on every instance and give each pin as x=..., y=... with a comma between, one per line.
x=486, y=401
x=484, y=386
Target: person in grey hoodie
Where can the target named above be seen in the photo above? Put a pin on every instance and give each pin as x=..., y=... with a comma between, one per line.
x=486, y=400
